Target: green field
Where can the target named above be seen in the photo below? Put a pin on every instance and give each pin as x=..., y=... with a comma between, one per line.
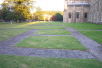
x=51, y=42
x=5, y=34
x=49, y=23
x=53, y=32
x=41, y=27
x=83, y=26
x=38, y=62
x=27, y=25
x=95, y=35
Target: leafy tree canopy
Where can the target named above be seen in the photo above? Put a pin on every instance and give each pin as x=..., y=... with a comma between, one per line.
x=40, y=14
x=20, y=9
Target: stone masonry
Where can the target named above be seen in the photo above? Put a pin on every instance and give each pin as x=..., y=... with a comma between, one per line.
x=76, y=11
x=80, y=11
x=95, y=13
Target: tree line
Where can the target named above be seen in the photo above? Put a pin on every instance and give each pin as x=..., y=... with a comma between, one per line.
x=48, y=15
x=19, y=10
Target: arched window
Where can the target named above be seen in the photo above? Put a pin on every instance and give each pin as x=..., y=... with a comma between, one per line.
x=85, y=15
x=69, y=14
x=77, y=14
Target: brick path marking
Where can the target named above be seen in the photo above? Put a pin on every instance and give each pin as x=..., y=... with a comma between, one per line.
x=6, y=48
x=94, y=47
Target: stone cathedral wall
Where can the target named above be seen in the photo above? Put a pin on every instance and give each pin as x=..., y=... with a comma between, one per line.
x=80, y=11
x=95, y=13
x=76, y=11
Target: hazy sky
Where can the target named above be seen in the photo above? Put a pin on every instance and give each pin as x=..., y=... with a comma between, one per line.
x=1, y=1
x=49, y=5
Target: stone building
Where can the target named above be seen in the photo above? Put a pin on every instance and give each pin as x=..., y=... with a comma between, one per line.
x=80, y=11
x=95, y=13
x=76, y=11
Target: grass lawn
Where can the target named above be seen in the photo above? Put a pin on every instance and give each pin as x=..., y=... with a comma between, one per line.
x=11, y=26
x=83, y=25
x=5, y=34
x=38, y=62
x=42, y=27
x=49, y=23
x=7, y=26
x=53, y=32
x=95, y=35
x=46, y=25
x=25, y=25
x=51, y=42
x=3, y=22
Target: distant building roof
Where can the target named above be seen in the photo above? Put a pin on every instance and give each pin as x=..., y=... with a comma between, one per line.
x=78, y=3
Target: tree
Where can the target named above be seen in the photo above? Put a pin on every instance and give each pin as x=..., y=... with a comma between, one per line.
x=43, y=15
x=8, y=15
x=18, y=16
x=38, y=9
x=58, y=17
x=36, y=18
x=22, y=6
x=53, y=18
x=39, y=13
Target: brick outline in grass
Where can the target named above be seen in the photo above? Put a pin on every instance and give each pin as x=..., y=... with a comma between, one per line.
x=7, y=49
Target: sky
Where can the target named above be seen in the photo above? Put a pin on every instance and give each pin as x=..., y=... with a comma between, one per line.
x=49, y=5
x=1, y=1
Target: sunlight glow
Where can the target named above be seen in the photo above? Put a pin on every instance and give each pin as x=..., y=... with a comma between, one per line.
x=27, y=24
x=1, y=1
x=49, y=5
